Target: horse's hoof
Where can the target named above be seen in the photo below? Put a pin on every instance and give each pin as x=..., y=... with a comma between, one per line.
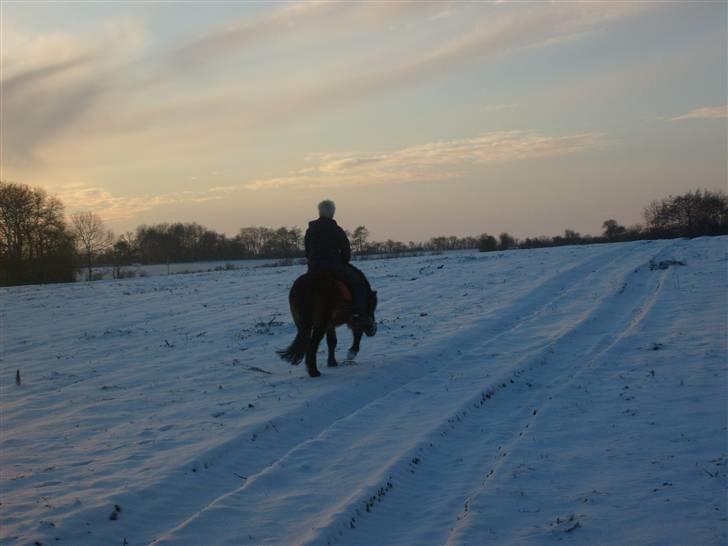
x=314, y=373
x=351, y=355
x=333, y=363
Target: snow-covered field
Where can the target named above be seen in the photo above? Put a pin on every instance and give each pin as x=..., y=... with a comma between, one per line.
x=574, y=395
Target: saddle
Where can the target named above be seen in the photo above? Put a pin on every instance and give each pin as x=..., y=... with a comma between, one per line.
x=344, y=291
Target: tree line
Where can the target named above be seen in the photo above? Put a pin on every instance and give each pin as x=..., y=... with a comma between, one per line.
x=191, y=242
x=39, y=244
x=694, y=214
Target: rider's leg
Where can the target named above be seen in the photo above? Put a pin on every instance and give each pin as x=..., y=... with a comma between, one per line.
x=358, y=290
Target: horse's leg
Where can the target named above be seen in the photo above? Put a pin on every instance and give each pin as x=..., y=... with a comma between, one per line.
x=354, y=349
x=316, y=337
x=331, y=342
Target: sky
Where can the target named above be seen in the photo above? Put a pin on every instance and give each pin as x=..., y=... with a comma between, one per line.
x=418, y=118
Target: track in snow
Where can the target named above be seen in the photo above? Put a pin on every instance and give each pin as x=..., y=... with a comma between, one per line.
x=395, y=425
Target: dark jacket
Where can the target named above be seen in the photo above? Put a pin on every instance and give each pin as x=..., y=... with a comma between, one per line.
x=327, y=246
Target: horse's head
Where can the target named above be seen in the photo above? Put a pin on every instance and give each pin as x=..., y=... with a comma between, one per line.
x=372, y=329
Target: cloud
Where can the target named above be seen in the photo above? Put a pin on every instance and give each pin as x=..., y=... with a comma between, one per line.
x=442, y=160
x=705, y=112
x=434, y=161
x=253, y=32
x=83, y=197
x=247, y=33
x=50, y=81
x=496, y=32
x=15, y=84
x=521, y=28
x=497, y=25
x=108, y=84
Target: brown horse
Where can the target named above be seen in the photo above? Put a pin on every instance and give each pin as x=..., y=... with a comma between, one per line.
x=318, y=307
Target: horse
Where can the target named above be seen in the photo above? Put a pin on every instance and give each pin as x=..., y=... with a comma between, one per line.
x=319, y=304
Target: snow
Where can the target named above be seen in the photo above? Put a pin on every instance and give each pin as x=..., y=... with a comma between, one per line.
x=569, y=395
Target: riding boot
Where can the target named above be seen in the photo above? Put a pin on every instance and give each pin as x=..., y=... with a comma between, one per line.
x=359, y=292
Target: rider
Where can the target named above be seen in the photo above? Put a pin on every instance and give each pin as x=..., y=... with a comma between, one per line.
x=328, y=249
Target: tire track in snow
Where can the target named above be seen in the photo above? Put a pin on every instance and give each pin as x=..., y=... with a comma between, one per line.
x=646, y=293
x=448, y=493
x=211, y=474
x=381, y=405
x=535, y=301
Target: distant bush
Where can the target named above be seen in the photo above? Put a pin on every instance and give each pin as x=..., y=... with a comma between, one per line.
x=487, y=243
x=536, y=242
x=506, y=241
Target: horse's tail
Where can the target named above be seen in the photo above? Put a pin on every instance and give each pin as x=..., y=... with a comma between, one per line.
x=300, y=309
x=296, y=350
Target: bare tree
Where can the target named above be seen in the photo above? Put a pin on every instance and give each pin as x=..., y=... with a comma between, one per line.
x=34, y=243
x=92, y=237
x=613, y=231
x=359, y=239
